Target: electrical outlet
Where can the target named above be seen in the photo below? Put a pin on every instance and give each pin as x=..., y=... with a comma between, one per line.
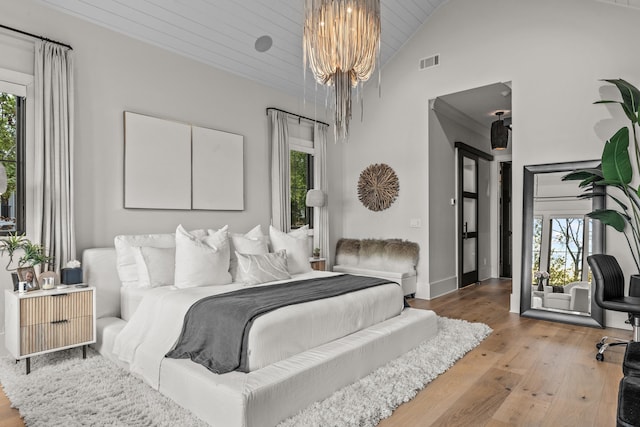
x=415, y=223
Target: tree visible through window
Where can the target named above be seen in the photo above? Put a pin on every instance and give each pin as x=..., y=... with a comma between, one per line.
x=301, y=165
x=566, y=249
x=11, y=146
x=563, y=255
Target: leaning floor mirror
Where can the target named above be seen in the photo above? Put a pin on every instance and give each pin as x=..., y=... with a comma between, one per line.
x=557, y=238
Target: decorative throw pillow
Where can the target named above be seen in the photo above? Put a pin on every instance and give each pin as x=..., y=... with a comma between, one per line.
x=253, y=243
x=255, y=269
x=202, y=261
x=296, y=243
x=156, y=266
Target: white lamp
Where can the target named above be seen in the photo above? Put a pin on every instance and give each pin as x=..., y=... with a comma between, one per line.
x=315, y=198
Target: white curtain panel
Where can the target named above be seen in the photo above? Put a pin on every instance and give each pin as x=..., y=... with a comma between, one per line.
x=321, y=182
x=280, y=180
x=53, y=157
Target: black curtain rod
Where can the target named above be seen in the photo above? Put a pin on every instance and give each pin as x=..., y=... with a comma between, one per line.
x=35, y=36
x=297, y=115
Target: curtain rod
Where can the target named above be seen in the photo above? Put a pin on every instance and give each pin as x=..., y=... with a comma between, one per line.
x=297, y=115
x=36, y=36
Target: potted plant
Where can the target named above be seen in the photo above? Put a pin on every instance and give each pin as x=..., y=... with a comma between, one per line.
x=616, y=172
x=316, y=252
x=33, y=254
x=541, y=277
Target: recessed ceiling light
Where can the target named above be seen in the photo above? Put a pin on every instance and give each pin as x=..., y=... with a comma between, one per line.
x=263, y=43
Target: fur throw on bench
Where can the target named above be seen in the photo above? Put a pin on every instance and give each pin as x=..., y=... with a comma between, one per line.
x=392, y=259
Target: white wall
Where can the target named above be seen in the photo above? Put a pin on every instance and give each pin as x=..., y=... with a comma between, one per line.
x=553, y=51
x=115, y=73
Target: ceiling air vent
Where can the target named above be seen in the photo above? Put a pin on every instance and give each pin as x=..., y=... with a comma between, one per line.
x=429, y=62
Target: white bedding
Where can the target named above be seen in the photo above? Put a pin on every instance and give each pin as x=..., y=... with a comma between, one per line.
x=156, y=324
x=130, y=299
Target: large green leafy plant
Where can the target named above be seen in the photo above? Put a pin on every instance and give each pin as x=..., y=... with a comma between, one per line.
x=616, y=172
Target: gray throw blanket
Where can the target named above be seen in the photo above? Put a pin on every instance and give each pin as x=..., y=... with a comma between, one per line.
x=216, y=328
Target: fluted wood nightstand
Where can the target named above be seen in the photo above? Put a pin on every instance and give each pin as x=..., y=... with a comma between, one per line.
x=43, y=321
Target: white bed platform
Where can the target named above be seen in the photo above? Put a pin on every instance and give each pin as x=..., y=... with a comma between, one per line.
x=271, y=394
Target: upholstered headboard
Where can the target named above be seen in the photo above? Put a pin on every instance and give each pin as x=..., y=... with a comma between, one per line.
x=99, y=269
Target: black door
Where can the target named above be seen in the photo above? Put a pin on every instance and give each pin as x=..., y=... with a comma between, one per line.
x=467, y=218
x=505, y=219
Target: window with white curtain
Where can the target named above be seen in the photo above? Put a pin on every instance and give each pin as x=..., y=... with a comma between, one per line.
x=301, y=158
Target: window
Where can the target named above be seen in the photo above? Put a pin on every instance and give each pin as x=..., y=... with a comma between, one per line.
x=301, y=165
x=12, y=146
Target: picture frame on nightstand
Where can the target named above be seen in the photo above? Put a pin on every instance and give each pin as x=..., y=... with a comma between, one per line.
x=28, y=275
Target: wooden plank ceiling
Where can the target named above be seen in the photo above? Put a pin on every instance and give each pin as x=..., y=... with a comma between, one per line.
x=222, y=33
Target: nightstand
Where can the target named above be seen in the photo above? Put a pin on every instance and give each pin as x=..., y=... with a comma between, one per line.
x=319, y=264
x=40, y=322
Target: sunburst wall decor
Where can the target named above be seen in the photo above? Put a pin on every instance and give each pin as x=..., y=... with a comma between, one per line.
x=378, y=187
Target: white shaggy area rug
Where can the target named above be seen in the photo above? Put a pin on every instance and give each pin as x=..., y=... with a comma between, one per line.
x=65, y=390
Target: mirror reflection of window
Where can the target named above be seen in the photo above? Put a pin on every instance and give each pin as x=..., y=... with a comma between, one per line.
x=566, y=250
x=561, y=242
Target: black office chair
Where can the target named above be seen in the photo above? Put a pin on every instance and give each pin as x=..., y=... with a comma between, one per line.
x=609, y=293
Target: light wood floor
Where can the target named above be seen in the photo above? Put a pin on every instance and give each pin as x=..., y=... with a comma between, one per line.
x=527, y=373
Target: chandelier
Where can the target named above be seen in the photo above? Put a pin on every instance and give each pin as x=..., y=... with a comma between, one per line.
x=341, y=44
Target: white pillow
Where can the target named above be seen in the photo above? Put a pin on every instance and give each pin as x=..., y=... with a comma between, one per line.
x=255, y=269
x=156, y=266
x=202, y=261
x=252, y=242
x=296, y=243
x=125, y=252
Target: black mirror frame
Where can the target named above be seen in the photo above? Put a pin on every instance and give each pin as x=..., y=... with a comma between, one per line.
x=596, y=319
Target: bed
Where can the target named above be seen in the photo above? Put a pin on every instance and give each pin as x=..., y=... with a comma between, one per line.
x=297, y=354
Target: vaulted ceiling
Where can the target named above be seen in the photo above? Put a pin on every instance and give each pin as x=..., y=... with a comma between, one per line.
x=223, y=33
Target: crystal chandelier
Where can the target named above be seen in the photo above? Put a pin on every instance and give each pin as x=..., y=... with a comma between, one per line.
x=341, y=44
